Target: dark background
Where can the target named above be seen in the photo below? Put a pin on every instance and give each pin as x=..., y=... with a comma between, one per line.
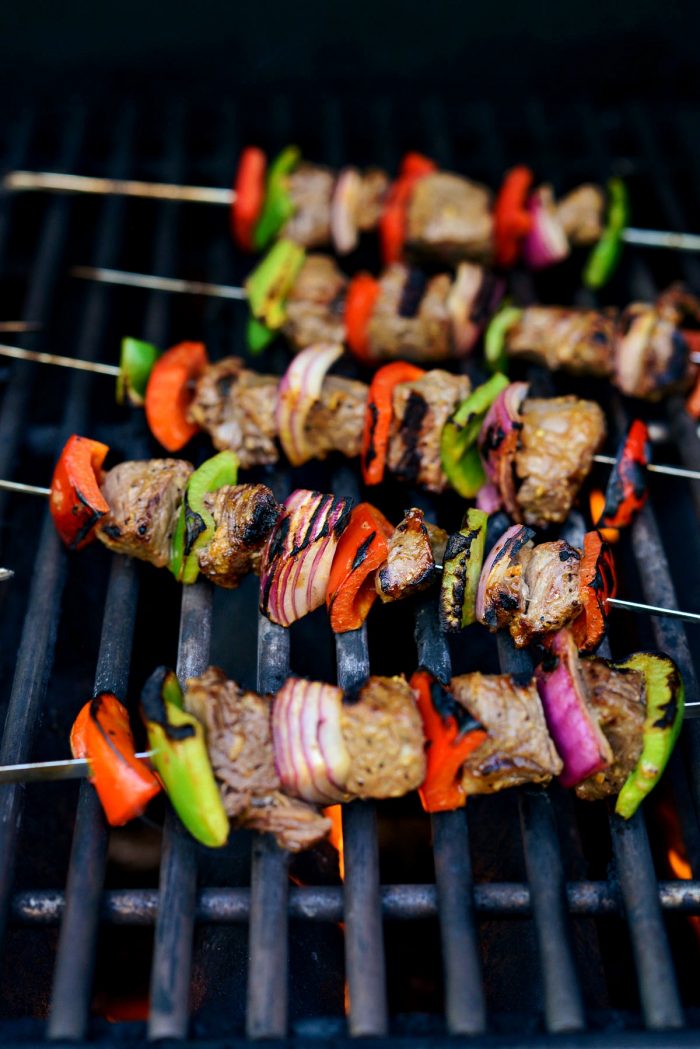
x=601, y=49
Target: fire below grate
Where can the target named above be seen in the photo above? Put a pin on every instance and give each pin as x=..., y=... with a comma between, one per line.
x=526, y=917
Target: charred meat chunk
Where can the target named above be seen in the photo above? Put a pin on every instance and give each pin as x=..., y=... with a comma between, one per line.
x=651, y=354
x=244, y=515
x=421, y=409
x=550, y=592
x=503, y=586
x=310, y=189
x=144, y=499
x=559, y=437
x=236, y=407
x=617, y=700
x=383, y=732
x=450, y=219
x=581, y=214
x=411, y=318
x=335, y=423
x=518, y=748
x=581, y=342
x=316, y=304
x=375, y=184
x=415, y=548
x=239, y=739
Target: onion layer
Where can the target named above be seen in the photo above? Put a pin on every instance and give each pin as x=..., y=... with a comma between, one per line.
x=299, y=390
x=472, y=300
x=297, y=559
x=508, y=547
x=344, y=208
x=546, y=243
x=311, y=757
x=498, y=441
x=576, y=733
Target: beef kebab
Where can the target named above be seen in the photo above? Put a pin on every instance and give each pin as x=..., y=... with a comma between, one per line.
x=427, y=213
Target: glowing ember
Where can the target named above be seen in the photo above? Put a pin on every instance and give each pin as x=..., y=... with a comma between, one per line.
x=597, y=505
x=335, y=814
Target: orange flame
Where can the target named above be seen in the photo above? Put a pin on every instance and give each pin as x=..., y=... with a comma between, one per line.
x=676, y=856
x=597, y=505
x=335, y=814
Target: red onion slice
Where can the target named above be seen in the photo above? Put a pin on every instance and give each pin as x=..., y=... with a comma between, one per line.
x=488, y=498
x=344, y=210
x=472, y=300
x=299, y=389
x=576, y=733
x=508, y=546
x=280, y=737
x=546, y=243
x=498, y=441
x=306, y=769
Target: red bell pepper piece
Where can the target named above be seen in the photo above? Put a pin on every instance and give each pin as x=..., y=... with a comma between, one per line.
x=597, y=582
x=169, y=394
x=124, y=783
x=361, y=549
x=378, y=415
x=392, y=224
x=249, y=188
x=76, y=502
x=452, y=735
x=362, y=294
x=626, y=492
x=511, y=219
x=692, y=405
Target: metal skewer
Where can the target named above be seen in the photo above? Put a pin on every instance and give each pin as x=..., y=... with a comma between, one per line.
x=58, y=182
x=17, y=326
x=151, y=283
x=42, y=771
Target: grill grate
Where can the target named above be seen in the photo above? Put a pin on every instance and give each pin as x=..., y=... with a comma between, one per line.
x=56, y=658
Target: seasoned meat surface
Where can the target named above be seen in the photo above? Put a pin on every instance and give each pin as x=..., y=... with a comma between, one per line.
x=581, y=213
x=375, y=184
x=311, y=190
x=383, y=731
x=618, y=701
x=236, y=407
x=651, y=355
x=450, y=219
x=503, y=587
x=316, y=304
x=244, y=515
x=421, y=408
x=411, y=319
x=410, y=565
x=239, y=740
x=550, y=592
x=336, y=421
x=578, y=341
x=144, y=499
x=559, y=437
x=518, y=748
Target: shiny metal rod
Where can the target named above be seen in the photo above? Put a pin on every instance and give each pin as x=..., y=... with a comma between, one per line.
x=58, y=182
x=655, y=238
x=17, y=353
x=17, y=326
x=171, y=284
x=655, y=468
x=654, y=610
x=25, y=489
x=43, y=771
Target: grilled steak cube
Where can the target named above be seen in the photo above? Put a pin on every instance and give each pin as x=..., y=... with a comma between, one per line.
x=414, y=550
x=618, y=701
x=310, y=188
x=410, y=319
x=559, y=437
x=518, y=748
x=651, y=355
x=421, y=408
x=375, y=184
x=244, y=515
x=144, y=499
x=335, y=423
x=316, y=304
x=382, y=730
x=550, y=591
x=504, y=595
x=581, y=342
x=236, y=407
x=581, y=213
x=450, y=219
x=239, y=740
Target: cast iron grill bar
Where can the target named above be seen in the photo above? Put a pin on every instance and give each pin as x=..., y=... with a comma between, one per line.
x=73, y=974
x=268, y=944
x=465, y=1003
x=36, y=648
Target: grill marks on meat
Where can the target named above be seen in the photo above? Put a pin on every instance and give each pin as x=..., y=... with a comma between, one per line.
x=144, y=499
x=410, y=326
x=503, y=594
x=617, y=700
x=652, y=356
x=239, y=739
x=414, y=550
x=450, y=219
x=316, y=304
x=578, y=341
x=581, y=214
x=549, y=591
x=559, y=437
x=421, y=408
x=383, y=732
x=244, y=515
x=336, y=421
x=310, y=188
x=236, y=407
x=518, y=748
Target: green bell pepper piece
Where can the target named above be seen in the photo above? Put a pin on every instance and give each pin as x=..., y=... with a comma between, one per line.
x=271, y=282
x=258, y=336
x=195, y=524
x=495, y=338
x=181, y=759
x=602, y=261
x=462, y=563
x=136, y=361
x=459, y=457
x=278, y=207
x=665, y=703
